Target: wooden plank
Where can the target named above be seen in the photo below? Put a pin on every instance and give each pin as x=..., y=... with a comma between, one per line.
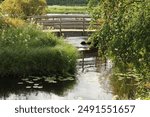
x=60, y=16
x=68, y=26
x=65, y=22
x=60, y=25
x=69, y=30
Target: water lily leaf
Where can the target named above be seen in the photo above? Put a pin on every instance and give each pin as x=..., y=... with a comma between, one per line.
x=35, y=87
x=28, y=87
x=50, y=79
x=20, y=83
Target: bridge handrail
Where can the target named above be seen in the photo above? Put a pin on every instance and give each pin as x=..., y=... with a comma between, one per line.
x=60, y=16
x=63, y=21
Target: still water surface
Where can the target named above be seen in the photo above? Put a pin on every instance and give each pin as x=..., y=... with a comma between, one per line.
x=92, y=82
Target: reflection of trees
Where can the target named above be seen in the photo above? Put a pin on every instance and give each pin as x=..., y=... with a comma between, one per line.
x=10, y=86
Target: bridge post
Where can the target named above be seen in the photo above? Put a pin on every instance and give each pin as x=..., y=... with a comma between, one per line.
x=60, y=27
x=83, y=26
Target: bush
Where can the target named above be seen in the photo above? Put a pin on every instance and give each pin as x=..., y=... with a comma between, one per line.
x=6, y=22
x=1, y=1
x=2, y=23
x=14, y=22
x=30, y=52
x=23, y=8
x=124, y=36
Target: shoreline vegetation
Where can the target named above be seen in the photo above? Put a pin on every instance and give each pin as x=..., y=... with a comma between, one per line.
x=25, y=50
x=124, y=36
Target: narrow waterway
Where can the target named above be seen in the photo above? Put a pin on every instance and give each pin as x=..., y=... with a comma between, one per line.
x=92, y=82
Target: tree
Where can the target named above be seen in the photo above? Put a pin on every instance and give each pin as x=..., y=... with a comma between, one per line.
x=93, y=3
x=23, y=8
x=1, y=1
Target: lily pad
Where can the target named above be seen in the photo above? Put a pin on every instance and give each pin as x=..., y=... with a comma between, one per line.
x=28, y=87
x=35, y=78
x=25, y=79
x=20, y=83
x=30, y=82
x=40, y=87
x=35, y=87
x=66, y=79
x=50, y=79
x=36, y=84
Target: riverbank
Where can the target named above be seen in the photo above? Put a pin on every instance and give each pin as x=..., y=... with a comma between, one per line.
x=27, y=51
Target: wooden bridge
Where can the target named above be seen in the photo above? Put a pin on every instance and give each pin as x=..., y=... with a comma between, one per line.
x=65, y=24
x=70, y=25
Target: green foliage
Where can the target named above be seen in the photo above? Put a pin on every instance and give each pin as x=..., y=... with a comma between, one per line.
x=2, y=23
x=14, y=22
x=23, y=8
x=93, y=3
x=31, y=52
x=1, y=1
x=124, y=36
x=6, y=22
x=66, y=2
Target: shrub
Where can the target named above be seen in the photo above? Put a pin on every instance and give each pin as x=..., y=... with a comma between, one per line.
x=124, y=36
x=2, y=23
x=1, y=1
x=23, y=8
x=30, y=52
x=6, y=22
x=14, y=22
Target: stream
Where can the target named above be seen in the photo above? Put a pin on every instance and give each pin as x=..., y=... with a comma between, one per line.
x=92, y=82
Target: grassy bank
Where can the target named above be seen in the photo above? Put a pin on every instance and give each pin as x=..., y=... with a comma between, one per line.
x=66, y=9
x=31, y=52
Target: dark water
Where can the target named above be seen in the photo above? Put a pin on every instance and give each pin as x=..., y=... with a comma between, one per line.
x=92, y=82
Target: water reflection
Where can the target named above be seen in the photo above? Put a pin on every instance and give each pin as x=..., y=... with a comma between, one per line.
x=92, y=82
x=10, y=89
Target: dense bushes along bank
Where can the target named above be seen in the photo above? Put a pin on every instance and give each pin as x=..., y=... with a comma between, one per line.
x=124, y=36
x=30, y=52
x=27, y=51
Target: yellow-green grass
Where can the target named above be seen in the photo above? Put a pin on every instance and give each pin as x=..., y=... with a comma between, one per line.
x=66, y=9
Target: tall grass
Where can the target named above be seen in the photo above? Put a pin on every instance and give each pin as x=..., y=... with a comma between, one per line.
x=28, y=51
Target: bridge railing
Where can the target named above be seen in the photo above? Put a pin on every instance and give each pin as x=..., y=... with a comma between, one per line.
x=62, y=22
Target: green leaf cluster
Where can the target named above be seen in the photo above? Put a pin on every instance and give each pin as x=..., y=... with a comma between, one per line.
x=30, y=52
x=123, y=34
x=22, y=8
